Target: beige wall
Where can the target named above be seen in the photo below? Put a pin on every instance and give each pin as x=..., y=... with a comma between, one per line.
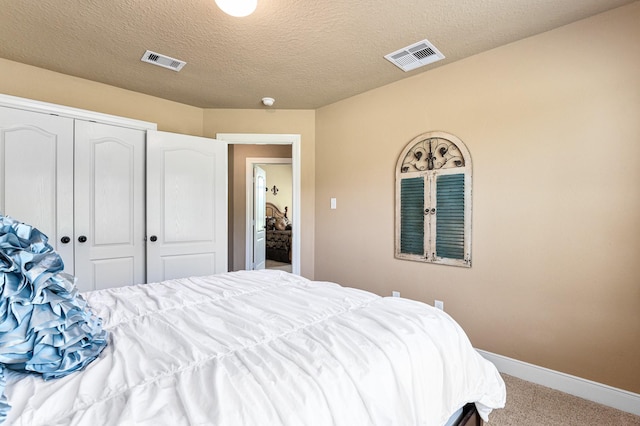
x=280, y=175
x=36, y=83
x=300, y=122
x=552, y=123
x=238, y=155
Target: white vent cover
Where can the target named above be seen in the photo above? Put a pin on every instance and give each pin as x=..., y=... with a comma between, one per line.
x=163, y=61
x=417, y=55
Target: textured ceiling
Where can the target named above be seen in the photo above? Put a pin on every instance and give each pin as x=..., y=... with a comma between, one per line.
x=305, y=54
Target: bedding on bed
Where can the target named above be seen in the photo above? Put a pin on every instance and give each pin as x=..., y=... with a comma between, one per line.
x=263, y=348
x=278, y=245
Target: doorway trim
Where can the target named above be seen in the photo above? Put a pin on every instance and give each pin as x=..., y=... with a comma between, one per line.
x=251, y=163
x=276, y=139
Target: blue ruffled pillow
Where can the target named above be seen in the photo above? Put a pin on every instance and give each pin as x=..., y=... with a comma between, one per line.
x=45, y=325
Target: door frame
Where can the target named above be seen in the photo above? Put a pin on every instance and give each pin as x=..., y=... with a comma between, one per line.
x=276, y=139
x=251, y=162
x=76, y=113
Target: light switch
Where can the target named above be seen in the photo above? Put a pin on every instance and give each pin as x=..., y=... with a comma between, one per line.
x=333, y=204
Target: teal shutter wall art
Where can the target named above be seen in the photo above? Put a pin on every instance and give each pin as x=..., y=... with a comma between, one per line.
x=412, y=216
x=450, y=216
x=433, y=201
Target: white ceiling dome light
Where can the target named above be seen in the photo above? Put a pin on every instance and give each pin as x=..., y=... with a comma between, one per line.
x=237, y=8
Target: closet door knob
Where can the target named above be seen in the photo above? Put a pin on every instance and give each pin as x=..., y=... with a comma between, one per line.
x=65, y=240
x=153, y=238
x=82, y=239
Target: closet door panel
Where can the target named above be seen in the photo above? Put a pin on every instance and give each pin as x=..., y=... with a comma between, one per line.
x=36, y=175
x=108, y=271
x=109, y=209
x=113, y=189
x=186, y=206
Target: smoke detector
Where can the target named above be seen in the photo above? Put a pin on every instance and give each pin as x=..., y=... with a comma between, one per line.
x=163, y=61
x=268, y=101
x=415, y=56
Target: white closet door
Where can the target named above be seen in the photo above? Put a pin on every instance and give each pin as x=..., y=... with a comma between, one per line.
x=186, y=206
x=36, y=175
x=109, y=208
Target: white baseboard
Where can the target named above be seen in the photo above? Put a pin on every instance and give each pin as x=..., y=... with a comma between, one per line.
x=583, y=388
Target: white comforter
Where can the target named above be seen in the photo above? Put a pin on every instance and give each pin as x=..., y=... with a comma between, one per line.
x=263, y=348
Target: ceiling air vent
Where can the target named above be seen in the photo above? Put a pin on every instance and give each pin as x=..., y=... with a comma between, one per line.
x=163, y=61
x=417, y=55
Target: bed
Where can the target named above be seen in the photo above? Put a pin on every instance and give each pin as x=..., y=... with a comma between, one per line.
x=241, y=348
x=279, y=240
x=263, y=347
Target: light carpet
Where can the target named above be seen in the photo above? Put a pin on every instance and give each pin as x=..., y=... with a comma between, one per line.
x=272, y=264
x=534, y=405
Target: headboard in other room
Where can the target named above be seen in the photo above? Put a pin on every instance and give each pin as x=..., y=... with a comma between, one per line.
x=273, y=211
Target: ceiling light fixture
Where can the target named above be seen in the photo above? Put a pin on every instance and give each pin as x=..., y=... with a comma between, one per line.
x=237, y=8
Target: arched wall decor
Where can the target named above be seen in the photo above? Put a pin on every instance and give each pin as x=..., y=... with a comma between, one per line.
x=433, y=200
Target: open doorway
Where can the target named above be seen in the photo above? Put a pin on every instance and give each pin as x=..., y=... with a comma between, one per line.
x=241, y=234
x=270, y=213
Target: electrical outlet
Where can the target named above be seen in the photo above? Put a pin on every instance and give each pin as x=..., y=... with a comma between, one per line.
x=395, y=293
x=439, y=304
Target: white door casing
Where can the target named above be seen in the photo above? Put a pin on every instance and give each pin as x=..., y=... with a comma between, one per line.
x=109, y=206
x=259, y=218
x=36, y=175
x=186, y=206
x=277, y=139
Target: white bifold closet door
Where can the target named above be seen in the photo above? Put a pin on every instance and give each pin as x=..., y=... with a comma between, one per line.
x=186, y=206
x=36, y=175
x=82, y=183
x=109, y=206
